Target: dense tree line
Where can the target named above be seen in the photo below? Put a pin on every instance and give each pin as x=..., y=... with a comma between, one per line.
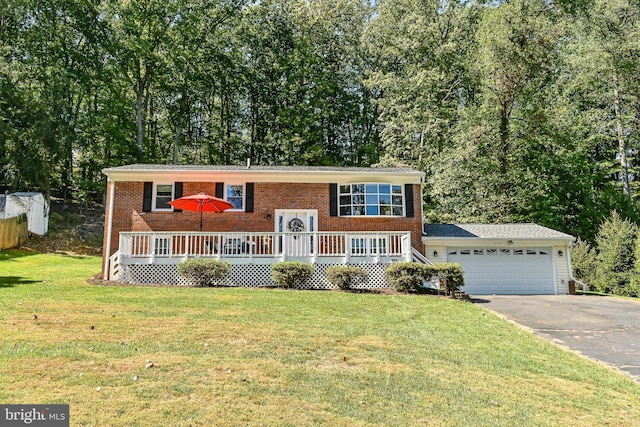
x=517, y=110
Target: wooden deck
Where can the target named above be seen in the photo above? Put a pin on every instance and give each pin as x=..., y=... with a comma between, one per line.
x=162, y=248
x=145, y=247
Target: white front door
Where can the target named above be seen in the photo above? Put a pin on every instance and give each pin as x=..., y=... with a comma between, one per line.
x=296, y=226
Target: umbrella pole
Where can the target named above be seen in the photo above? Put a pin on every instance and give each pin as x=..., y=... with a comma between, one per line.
x=200, y=221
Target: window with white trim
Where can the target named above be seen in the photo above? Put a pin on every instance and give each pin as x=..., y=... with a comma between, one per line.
x=371, y=200
x=162, y=195
x=234, y=194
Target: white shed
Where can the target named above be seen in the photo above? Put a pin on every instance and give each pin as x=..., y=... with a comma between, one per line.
x=32, y=204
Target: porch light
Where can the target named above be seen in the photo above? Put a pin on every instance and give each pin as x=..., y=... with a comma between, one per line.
x=435, y=253
x=560, y=253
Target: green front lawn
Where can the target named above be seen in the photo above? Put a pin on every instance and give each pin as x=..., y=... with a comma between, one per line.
x=265, y=357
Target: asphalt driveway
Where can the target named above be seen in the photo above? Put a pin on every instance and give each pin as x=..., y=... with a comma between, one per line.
x=604, y=329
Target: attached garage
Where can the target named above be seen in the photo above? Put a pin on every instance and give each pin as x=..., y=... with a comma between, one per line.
x=505, y=270
x=507, y=259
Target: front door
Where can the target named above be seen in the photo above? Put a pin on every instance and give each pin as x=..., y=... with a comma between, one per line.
x=297, y=228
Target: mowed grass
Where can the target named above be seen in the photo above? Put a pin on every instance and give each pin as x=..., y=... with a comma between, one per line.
x=266, y=357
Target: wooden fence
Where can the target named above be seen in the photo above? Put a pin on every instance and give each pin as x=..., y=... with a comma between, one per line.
x=13, y=232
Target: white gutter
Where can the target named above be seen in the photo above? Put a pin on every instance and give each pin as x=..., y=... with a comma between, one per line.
x=584, y=286
x=112, y=193
x=254, y=174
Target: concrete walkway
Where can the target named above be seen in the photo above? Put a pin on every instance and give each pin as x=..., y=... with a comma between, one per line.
x=601, y=328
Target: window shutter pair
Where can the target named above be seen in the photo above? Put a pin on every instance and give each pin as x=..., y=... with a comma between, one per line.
x=147, y=197
x=408, y=200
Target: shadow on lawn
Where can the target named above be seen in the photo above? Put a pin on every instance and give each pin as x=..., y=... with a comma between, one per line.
x=6, y=255
x=392, y=291
x=11, y=281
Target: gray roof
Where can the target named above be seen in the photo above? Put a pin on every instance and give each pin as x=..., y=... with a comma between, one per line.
x=494, y=231
x=25, y=194
x=155, y=167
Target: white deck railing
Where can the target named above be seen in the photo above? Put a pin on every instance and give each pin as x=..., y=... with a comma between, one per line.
x=150, y=246
x=114, y=266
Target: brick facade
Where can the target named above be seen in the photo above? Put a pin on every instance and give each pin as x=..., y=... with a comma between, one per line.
x=128, y=214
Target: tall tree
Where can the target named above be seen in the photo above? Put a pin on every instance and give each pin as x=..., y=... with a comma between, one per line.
x=603, y=82
x=419, y=49
x=616, y=241
x=304, y=95
x=140, y=43
x=55, y=55
x=486, y=175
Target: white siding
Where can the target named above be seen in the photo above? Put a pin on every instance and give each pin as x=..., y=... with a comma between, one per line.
x=562, y=269
x=441, y=251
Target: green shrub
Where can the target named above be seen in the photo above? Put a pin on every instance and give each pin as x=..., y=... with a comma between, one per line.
x=290, y=274
x=410, y=276
x=450, y=273
x=345, y=277
x=56, y=221
x=204, y=271
x=584, y=262
x=60, y=222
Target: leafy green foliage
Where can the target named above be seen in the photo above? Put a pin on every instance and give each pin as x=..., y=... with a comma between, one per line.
x=419, y=49
x=346, y=277
x=523, y=110
x=290, y=274
x=450, y=274
x=204, y=271
x=584, y=262
x=410, y=276
x=616, y=241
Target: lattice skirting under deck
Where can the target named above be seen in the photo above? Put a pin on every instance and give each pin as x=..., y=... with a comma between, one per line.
x=248, y=275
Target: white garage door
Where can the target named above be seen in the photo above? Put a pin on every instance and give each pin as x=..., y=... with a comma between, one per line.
x=505, y=270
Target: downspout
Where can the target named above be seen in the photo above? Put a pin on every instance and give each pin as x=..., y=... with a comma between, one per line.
x=112, y=192
x=584, y=286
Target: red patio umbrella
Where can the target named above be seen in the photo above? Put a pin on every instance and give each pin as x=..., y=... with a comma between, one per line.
x=201, y=203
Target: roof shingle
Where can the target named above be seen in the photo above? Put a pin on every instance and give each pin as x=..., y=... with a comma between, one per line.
x=159, y=167
x=494, y=231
